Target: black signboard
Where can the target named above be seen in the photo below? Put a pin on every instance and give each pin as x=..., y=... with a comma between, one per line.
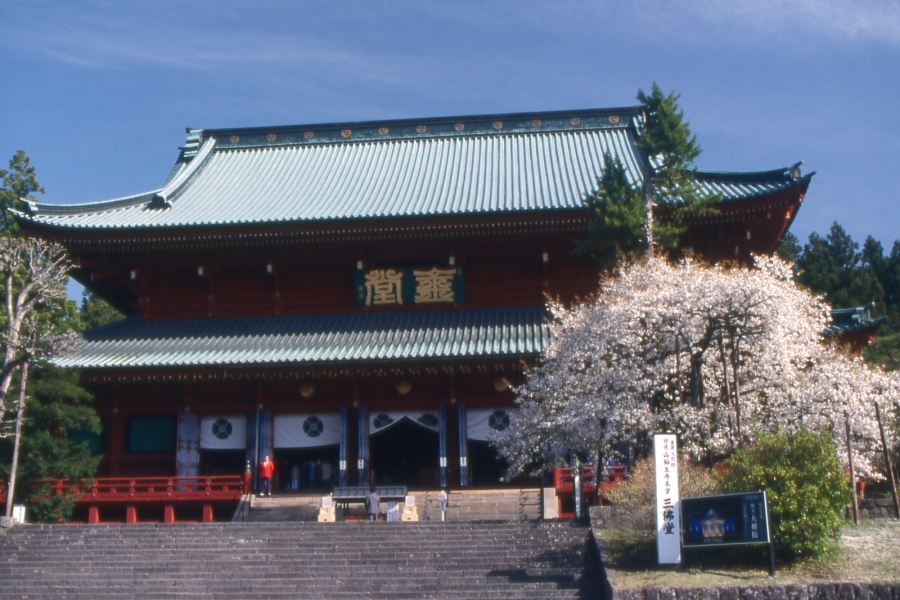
x=729, y=519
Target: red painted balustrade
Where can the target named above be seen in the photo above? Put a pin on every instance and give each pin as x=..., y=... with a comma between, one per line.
x=564, y=484
x=149, y=493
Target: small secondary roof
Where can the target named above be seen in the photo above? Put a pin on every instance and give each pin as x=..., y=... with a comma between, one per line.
x=512, y=163
x=314, y=340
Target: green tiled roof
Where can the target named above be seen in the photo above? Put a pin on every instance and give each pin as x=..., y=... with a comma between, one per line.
x=512, y=163
x=314, y=340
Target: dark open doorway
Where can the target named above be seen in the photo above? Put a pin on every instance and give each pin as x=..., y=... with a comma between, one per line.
x=405, y=454
x=309, y=463
x=486, y=466
x=222, y=462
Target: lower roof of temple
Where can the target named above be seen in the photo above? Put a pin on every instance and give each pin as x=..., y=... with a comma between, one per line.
x=314, y=340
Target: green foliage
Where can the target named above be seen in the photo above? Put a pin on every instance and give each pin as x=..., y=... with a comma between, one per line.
x=637, y=494
x=788, y=248
x=666, y=138
x=884, y=351
x=834, y=267
x=848, y=276
x=617, y=230
x=18, y=182
x=806, y=488
x=57, y=405
x=95, y=311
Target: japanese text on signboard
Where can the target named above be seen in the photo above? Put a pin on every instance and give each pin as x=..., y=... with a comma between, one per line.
x=665, y=458
x=395, y=287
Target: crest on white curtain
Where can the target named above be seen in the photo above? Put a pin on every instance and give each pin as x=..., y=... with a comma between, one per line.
x=480, y=422
x=381, y=420
x=223, y=432
x=307, y=430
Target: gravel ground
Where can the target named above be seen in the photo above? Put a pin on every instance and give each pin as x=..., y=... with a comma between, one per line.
x=869, y=553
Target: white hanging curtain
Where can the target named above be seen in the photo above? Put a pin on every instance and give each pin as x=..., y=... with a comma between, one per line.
x=223, y=432
x=381, y=420
x=307, y=430
x=480, y=422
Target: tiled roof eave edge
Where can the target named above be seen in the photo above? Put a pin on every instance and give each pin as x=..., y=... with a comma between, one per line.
x=481, y=223
x=801, y=182
x=36, y=210
x=156, y=366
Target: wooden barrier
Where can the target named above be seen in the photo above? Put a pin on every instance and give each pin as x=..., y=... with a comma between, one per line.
x=167, y=493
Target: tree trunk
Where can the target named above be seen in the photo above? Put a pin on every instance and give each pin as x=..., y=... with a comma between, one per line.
x=737, y=389
x=648, y=217
x=697, y=391
x=887, y=461
x=15, y=457
x=724, y=368
x=9, y=369
x=855, y=506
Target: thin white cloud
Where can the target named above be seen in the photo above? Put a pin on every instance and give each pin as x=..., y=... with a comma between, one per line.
x=838, y=20
x=115, y=42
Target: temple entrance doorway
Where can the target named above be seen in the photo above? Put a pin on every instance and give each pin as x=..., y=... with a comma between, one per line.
x=486, y=466
x=222, y=462
x=405, y=453
x=310, y=468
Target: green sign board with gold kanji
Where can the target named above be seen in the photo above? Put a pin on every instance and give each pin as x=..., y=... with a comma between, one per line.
x=398, y=287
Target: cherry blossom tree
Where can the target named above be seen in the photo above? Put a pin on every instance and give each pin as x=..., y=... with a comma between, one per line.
x=713, y=353
x=34, y=275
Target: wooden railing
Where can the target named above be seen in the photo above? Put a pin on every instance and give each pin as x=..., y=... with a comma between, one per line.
x=147, y=495
x=565, y=483
x=155, y=489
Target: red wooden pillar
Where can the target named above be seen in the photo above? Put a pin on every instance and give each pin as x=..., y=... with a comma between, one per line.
x=93, y=515
x=169, y=514
x=130, y=514
x=207, y=513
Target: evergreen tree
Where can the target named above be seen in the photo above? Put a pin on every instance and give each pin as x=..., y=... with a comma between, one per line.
x=58, y=426
x=95, y=311
x=669, y=181
x=624, y=214
x=788, y=248
x=58, y=411
x=20, y=182
x=617, y=229
x=834, y=267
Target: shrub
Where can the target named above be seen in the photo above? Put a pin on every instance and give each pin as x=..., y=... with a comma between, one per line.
x=636, y=496
x=806, y=488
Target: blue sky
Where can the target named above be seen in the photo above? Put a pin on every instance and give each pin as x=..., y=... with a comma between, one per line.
x=99, y=93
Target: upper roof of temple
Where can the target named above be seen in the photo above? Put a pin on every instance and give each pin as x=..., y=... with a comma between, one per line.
x=511, y=163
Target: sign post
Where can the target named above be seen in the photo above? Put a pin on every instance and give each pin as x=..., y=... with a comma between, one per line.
x=442, y=499
x=728, y=520
x=665, y=460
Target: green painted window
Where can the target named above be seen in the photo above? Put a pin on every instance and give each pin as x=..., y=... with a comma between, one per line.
x=151, y=434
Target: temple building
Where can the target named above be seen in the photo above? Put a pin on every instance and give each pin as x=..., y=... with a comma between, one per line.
x=359, y=294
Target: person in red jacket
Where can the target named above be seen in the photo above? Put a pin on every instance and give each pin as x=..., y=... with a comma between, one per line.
x=266, y=468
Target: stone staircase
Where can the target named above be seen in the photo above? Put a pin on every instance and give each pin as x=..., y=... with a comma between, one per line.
x=511, y=504
x=475, y=561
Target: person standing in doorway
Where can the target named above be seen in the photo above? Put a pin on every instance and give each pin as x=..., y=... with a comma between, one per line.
x=266, y=469
x=295, y=477
x=373, y=502
x=326, y=475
